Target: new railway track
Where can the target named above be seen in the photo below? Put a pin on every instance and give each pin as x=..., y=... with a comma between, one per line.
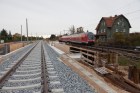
x=27, y=74
x=38, y=70
x=24, y=74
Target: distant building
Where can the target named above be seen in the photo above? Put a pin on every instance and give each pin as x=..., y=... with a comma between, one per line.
x=109, y=25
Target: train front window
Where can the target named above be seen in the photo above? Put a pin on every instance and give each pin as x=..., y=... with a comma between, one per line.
x=90, y=36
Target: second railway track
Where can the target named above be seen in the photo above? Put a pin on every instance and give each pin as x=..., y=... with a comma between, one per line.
x=29, y=74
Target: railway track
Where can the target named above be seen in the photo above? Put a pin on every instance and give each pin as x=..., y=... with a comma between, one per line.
x=24, y=75
x=11, y=61
x=29, y=74
x=38, y=70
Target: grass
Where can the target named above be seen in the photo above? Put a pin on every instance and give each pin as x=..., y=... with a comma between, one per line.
x=123, y=61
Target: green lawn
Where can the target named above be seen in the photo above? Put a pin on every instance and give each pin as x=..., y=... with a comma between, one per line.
x=123, y=61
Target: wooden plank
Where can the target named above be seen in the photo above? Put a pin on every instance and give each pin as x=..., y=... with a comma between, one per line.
x=86, y=59
x=74, y=51
x=88, y=54
x=83, y=49
x=102, y=70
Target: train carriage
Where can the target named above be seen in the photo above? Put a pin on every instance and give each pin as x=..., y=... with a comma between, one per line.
x=81, y=38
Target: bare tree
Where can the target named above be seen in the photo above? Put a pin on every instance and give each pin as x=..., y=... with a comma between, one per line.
x=72, y=29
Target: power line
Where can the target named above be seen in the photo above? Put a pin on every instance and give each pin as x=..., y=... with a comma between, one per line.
x=123, y=7
x=128, y=13
x=132, y=12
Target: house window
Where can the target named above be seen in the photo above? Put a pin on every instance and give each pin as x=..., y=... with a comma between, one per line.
x=122, y=23
x=104, y=23
x=104, y=30
x=124, y=30
x=116, y=30
x=118, y=23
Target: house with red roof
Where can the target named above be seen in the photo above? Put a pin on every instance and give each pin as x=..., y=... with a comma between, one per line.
x=109, y=25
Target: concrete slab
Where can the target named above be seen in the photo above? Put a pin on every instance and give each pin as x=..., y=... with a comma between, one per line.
x=57, y=50
x=54, y=82
x=60, y=90
x=21, y=87
x=75, y=55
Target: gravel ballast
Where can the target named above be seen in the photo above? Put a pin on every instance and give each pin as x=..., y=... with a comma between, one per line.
x=71, y=81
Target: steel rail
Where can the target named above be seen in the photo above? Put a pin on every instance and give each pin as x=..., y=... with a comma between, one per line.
x=13, y=69
x=44, y=73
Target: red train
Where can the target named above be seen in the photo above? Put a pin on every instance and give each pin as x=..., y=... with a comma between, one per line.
x=81, y=38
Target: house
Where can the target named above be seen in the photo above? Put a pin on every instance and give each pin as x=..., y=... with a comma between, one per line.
x=110, y=25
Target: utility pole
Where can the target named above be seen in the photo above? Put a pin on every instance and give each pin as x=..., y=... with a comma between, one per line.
x=21, y=33
x=0, y=38
x=31, y=36
x=27, y=28
x=64, y=32
x=36, y=36
x=60, y=33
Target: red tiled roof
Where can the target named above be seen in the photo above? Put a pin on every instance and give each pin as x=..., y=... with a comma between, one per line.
x=110, y=20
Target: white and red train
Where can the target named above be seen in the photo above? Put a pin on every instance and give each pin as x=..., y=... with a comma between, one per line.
x=81, y=38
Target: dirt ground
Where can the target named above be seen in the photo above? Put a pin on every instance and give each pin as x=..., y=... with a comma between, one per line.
x=65, y=48
x=15, y=46
x=62, y=47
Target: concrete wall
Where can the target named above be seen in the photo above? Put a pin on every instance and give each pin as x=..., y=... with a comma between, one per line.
x=9, y=47
x=4, y=49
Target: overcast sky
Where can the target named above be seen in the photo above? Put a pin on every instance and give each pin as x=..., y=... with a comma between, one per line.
x=54, y=16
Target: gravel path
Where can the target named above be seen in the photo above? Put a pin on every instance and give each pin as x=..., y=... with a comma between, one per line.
x=70, y=81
